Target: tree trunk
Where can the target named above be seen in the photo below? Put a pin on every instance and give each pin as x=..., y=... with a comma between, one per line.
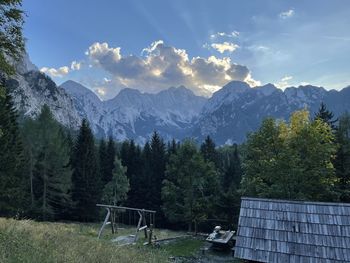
x=190, y=227
x=45, y=179
x=31, y=180
x=44, y=196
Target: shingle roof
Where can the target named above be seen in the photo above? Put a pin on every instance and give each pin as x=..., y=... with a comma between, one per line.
x=291, y=231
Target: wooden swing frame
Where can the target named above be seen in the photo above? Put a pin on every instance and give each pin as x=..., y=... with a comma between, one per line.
x=142, y=219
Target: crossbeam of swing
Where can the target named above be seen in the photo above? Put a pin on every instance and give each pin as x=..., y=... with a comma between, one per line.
x=126, y=208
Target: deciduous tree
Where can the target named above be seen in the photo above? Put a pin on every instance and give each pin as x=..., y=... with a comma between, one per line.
x=292, y=161
x=189, y=187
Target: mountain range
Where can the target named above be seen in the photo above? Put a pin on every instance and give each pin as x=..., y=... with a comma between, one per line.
x=227, y=116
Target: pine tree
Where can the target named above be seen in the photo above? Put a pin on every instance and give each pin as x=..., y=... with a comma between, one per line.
x=342, y=160
x=111, y=153
x=157, y=173
x=49, y=170
x=231, y=175
x=12, y=180
x=131, y=158
x=146, y=177
x=30, y=144
x=172, y=147
x=86, y=181
x=326, y=116
x=103, y=162
x=11, y=45
x=12, y=41
x=209, y=152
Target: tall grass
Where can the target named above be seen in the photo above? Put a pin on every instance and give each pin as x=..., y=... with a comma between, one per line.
x=35, y=242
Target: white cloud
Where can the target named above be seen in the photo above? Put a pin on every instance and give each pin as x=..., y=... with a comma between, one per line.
x=224, y=47
x=224, y=34
x=287, y=14
x=152, y=47
x=102, y=53
x=162, y=66
x=283, y=83
x=252, y=82
x=286, y=78
x=60, y=72
x=75, y=65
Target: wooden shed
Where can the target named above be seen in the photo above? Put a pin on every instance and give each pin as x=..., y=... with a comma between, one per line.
x=293, y=231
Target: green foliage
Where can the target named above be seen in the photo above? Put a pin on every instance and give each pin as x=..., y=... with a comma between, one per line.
x=291, y=161
x=86, y=180
x=230, y=179
x=209, y=152
x=111, y=153
x=156, y=174
x=131, y=157
x=172, y=147
x=11, y=38
x=116, y=190
x=189, y=187
x=48, y=159
x=326, y=116
x=102, y=154
x=342, y=160
x=12, y=174
x=107, y=155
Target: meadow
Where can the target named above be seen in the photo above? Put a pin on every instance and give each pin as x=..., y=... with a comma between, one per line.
x=32, y=242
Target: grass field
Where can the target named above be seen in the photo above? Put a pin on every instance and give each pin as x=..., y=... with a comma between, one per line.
x=35, y=242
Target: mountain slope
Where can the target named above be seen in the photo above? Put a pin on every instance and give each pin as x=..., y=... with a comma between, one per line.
x=86, y=103
x=135, y=115
x=236, y=110
x=227, y=116
x=32, y=89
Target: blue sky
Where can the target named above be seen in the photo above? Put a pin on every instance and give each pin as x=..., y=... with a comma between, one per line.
x=151, y=45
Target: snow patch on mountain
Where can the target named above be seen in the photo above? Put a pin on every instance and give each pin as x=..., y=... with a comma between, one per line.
x=132, y=114
x=31, y=90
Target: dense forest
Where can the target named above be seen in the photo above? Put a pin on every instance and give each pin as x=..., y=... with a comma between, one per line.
x=50, y=173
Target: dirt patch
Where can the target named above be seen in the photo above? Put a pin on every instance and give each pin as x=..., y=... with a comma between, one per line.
x=124, y=240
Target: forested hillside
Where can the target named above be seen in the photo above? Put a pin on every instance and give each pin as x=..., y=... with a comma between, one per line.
x=51, y=173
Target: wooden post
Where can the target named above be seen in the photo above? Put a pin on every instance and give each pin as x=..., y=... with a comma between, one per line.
x=144, y=223
x=113, y=220
x=104, y=222
x=150, y=234
x=138, y=226
x=154, y=220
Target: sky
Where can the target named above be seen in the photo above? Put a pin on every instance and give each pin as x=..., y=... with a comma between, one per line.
x=151, y=45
